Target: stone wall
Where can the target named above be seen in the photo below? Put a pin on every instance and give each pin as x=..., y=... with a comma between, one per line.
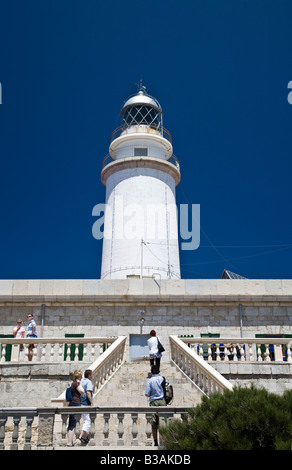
x=99, y=308
x=276, y=378
x=111, y=308
x=33, y=385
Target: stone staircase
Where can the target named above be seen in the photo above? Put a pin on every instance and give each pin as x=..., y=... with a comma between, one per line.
x=127, y=386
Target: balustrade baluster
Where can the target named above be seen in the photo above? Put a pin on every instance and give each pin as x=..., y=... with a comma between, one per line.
x=226, y=353
x=218, y=358
x=65, y=418
x=205, y=384
x=259, y=352
x=201, y=379
x=77, y=429
x=289, y=354
x=52, y=352
x=106, y=417
x=242, y=353
x=3, y=352
x=26, y=346
x=211, y=387
x=76, y=352
x=250, y=352
x=43, y=352
x=35, y=352
x=148, y=429
x=3, y=420
x=134, y=429
x=209, y=352
x=29, y=421
x=16, y=421
x=191, y=372
x=68, y=352
x=21, y=356
x=267, y=353
x=201, y=351
x=92, y=429
x=235, y=358
x=120, y=417
x=60, y=352
x=85, y=348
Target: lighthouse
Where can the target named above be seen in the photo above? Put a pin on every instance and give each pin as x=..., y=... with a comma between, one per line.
x=140, y=174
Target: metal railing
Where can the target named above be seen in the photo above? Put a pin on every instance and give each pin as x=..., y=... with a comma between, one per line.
x=140, y=128
x=109, y=159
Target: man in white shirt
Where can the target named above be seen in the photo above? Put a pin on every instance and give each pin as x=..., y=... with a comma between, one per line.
x=86, y=400
x=154, y=390
x=154, y=354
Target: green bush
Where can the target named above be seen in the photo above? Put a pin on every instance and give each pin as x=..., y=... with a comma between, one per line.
x=242, y=419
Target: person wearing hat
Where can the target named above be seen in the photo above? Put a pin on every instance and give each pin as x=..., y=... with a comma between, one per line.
x=154, y=391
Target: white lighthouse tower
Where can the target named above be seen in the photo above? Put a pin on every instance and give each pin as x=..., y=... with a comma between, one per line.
x=140, y=174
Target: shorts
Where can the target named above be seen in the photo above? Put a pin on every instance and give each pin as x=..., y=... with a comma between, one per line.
x=155, y=417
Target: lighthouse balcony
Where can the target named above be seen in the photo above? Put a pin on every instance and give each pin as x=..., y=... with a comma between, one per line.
x=173, y=160
x=138, y=129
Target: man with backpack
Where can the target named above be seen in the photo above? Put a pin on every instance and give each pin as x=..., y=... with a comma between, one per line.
x=155, y=391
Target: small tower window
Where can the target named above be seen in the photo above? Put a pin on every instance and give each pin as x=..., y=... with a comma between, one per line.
x=140, y=152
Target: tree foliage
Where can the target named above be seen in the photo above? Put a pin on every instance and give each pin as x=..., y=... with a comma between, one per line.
x=242, y=419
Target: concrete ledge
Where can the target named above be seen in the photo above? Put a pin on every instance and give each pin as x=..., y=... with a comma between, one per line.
x=132, y=290
x=253, y=368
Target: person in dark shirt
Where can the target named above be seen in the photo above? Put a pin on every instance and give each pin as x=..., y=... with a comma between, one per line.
x=77, y=391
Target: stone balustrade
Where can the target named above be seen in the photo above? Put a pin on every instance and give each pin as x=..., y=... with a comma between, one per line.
x=241, y=349
x=103, y=367
x=110, y=426
x=193, y=356
x=202, y=374
x=53, y=349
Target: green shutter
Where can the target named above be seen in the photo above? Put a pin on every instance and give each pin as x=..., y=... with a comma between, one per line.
x=73, y=347
x=8, y=348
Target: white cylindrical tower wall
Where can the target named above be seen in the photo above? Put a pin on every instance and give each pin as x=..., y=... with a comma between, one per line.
x=141, y=234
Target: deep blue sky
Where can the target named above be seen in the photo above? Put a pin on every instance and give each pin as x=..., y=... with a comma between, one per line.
x=220, y=70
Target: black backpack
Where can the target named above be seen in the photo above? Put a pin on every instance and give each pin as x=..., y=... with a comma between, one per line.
x=168, y=391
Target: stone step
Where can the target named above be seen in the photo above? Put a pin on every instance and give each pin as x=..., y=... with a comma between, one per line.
x=127, y=386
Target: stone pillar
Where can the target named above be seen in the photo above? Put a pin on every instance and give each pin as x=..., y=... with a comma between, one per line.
x=46, y=428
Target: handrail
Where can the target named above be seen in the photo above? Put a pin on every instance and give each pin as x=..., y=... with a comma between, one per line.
x=198, y=370
x=133, y=425
x=103, y=368
x=120, y=129
x=241, y=349
x=173, y=160
x=55, y=346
